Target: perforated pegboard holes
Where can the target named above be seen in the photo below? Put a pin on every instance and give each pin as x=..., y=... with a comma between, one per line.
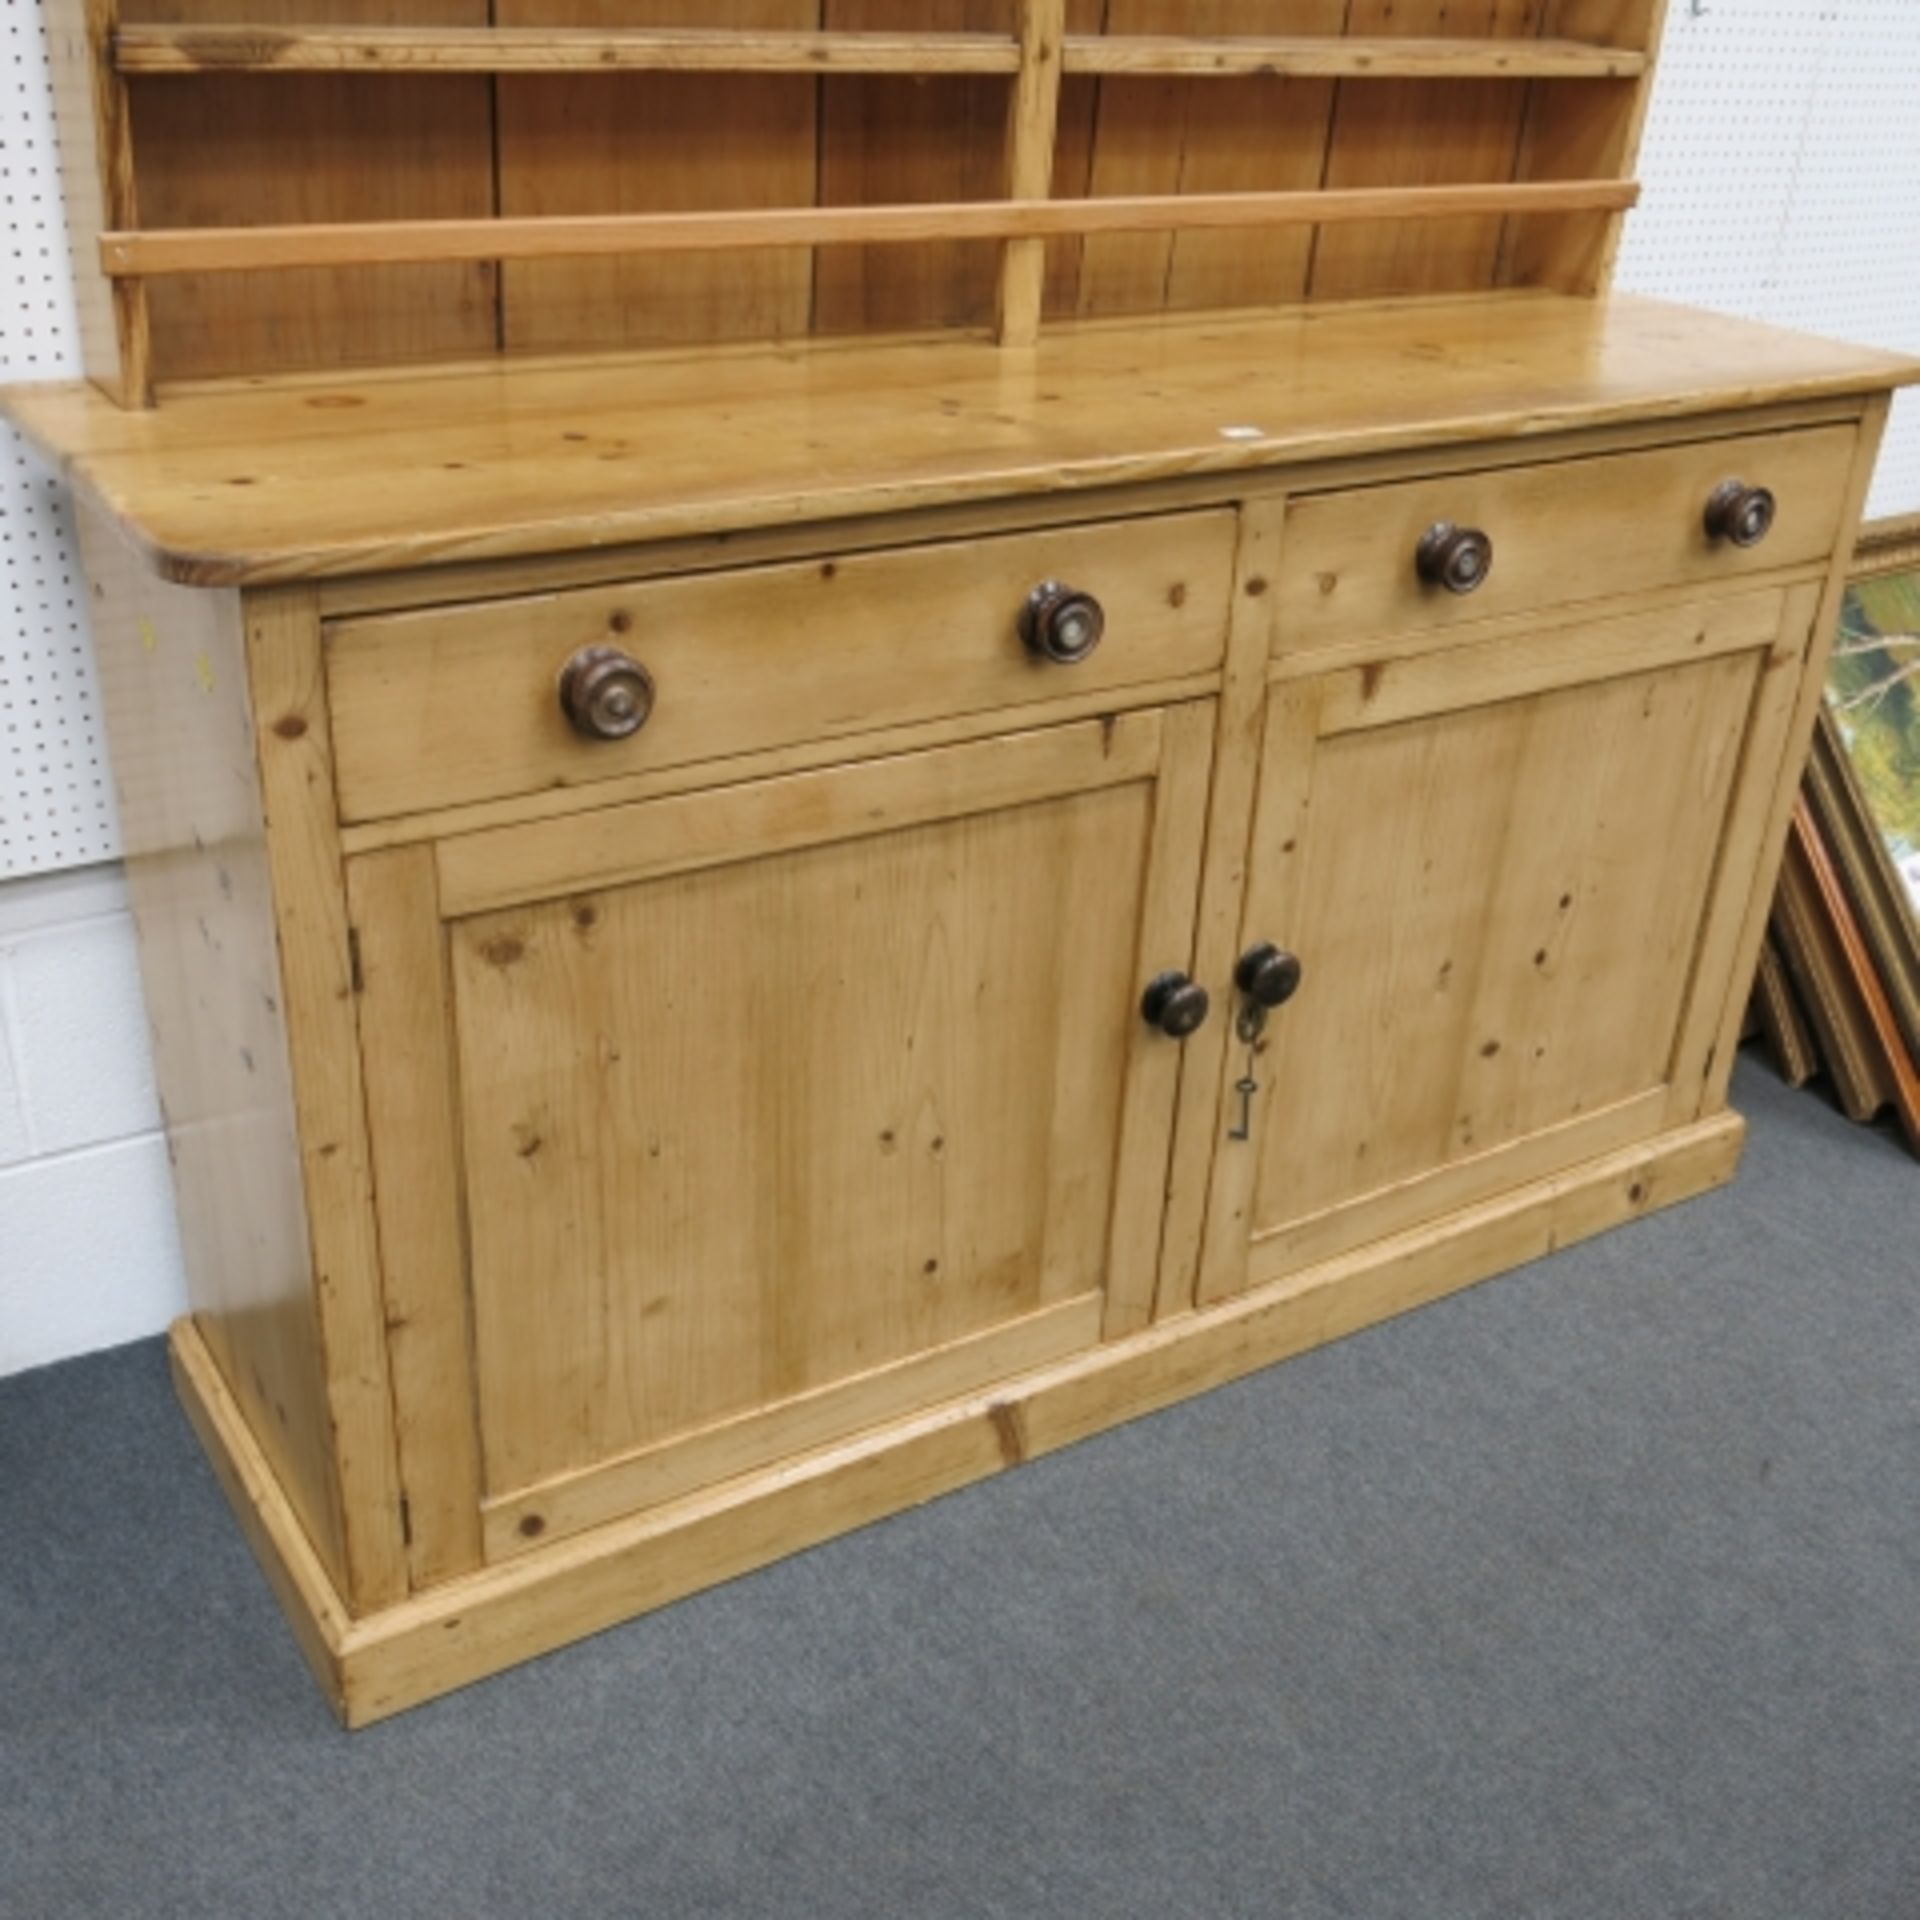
x=1782, y=173
x=56, y=802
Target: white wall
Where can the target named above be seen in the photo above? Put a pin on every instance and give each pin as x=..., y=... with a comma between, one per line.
x=1783, y=182
x=1781, y=176
x=88, y=1252
x=89, y=1256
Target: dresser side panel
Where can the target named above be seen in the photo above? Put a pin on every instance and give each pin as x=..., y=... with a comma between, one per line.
x=173, y=687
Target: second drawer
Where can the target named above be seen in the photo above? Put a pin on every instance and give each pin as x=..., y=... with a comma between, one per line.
x=458, y=704
x=1557, y=534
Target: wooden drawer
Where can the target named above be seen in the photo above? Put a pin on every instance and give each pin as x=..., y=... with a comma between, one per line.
x=459, y=704
x=1572, y=531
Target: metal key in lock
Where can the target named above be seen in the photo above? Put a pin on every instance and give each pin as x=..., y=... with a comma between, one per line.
x=1268, y=977
x=1248, y=1025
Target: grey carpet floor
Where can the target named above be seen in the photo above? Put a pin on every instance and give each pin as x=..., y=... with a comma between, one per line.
x=1594, y=1591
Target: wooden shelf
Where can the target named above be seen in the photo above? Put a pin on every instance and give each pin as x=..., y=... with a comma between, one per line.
x=1356, y=58
x=413, y=50
x=1545, y=169
x=136, y=256
x=151, y=49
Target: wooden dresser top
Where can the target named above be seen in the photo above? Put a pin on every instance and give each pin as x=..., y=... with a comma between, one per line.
x=303, y=478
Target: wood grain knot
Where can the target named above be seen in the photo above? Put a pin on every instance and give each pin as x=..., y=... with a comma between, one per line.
x=1010, y=1430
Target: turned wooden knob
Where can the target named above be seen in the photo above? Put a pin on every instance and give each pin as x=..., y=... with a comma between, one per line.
x=1176, y=1004
x=1061, y=623
x=1457, y=558
x=1740, y=513
x=1268, y=975
x=605, y=694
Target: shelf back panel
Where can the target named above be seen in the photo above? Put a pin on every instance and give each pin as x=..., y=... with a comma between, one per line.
x=220, y=149
x=240, y=145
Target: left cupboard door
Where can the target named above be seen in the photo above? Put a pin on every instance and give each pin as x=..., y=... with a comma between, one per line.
x=716, y=1127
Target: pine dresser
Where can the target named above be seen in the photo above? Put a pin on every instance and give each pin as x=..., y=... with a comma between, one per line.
x=853, y=737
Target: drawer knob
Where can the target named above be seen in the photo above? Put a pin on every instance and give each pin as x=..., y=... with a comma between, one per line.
x=605, y=694
x=1740, y=513
x=1268, y=975
x=1061, y=624
x=1457, y=558
x=1176, y=1004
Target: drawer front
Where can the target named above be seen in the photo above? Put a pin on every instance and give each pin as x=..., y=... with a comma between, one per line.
x=459, y=704
x=1572, y=531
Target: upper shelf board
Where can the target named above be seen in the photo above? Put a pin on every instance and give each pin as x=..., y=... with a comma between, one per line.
x=261, y=481
x=360, y=243
x=181, y=49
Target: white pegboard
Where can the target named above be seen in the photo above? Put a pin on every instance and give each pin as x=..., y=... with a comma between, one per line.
x=56, y=802
x=1782, y=177
x=1782, y=174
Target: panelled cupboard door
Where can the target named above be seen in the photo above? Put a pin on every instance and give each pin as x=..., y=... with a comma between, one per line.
x=752, y=1117
x=1513, y=874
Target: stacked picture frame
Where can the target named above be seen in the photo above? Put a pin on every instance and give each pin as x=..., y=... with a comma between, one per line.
x=1838, y=988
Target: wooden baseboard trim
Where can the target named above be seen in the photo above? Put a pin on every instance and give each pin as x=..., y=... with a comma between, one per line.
x=300, y=1583
x=482, y=1622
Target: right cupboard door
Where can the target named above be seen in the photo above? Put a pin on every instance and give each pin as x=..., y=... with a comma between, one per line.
x=1516, y=875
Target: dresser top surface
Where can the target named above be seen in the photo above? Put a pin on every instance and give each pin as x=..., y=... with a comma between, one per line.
x=324, y=477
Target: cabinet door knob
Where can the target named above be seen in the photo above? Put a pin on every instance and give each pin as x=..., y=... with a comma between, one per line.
x=1740, y=513
x=1176, y=1004
x=605, y=694
x=1061, y=624
x=1268, y=975
x=1457, y=558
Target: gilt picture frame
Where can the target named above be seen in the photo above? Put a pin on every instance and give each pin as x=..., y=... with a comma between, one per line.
x=1864, y=779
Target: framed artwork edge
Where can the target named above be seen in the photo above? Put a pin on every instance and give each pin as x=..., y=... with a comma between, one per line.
x=1864, y=891
x=1887, y=546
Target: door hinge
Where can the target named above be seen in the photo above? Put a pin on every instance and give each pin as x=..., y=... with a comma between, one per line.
x=406, y=1522
x=355, y=975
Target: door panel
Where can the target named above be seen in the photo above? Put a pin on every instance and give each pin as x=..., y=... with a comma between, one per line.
x=1476, y=889
x=773, y=1124
x=1498, y=906
x=836, y=1122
